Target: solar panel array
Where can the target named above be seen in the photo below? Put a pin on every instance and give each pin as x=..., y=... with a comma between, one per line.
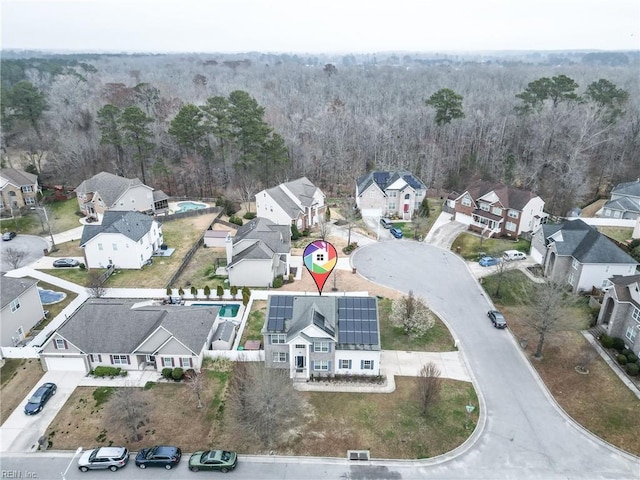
x=357, y=322
x=281, y=308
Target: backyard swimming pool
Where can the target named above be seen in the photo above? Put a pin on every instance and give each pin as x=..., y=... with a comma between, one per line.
x=228, y=310
x=188, y=206
x=49, y=297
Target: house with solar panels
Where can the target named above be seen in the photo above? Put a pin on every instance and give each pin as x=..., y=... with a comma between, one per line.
x=322, y=335
x=389, y=194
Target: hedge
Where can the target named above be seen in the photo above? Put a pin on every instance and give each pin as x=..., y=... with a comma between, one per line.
x=103, y=371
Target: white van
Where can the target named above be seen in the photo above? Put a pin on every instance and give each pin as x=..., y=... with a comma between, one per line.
x=386, y=223
x=510, y=255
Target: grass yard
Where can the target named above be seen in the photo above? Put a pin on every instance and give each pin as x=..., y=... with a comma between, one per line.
x=201, y=269
x=471, y=245
x=621, y=234
x=68, y=249
x=387, y=424
x=438, y=339
x=599, y=401
x=62, y=216
x=255, y=322
x=17, y=377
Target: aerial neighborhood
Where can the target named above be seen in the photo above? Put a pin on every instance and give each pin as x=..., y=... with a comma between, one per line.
x=193, y=268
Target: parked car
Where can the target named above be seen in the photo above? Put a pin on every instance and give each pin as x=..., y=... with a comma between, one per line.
x=6, y=236
x=386, y=223
x=488, y=261
x=497, y=319
x=221, y=460
x=159, y=456
x=510, y=255
x=66, y=262
x=102, y=458
x=396, y=232
x=39, y=399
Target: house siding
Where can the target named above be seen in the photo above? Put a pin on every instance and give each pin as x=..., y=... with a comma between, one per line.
x=252, y=273
x=27, y=316
x=128, y=255
x=593, y=275
x=138, y=199
x=267, y=207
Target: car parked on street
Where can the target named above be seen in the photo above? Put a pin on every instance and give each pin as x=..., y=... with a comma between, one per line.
x=65, y=262
x=7, y=236
x=102, y=458
x=39, y=399
x=159, y=456
x=511, y=255
x=497, y=319
x=220, y=460
x=396, y=232
x=488, y=261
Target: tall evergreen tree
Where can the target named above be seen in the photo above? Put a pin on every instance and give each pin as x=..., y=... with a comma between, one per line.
x=136, y=132
x=27, y=103
x=109, y=124
x=448, y=105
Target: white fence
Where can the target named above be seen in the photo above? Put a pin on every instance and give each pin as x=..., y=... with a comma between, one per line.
x=19, y=352
x=237, y=355
x=606, y=222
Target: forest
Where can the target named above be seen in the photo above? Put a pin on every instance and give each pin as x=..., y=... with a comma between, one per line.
x=566, y=126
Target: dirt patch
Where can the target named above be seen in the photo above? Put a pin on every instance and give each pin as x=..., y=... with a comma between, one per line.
x=23, y=375
x=590, y=210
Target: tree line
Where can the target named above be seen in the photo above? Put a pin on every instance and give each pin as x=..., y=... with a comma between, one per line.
x=202, y=128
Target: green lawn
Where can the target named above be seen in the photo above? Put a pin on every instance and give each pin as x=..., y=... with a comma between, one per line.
x=621, y=234
x=62, y=216
x=470, y=246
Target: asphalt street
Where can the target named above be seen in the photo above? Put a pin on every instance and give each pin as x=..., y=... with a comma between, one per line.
x=33, y=246
x=526, y=435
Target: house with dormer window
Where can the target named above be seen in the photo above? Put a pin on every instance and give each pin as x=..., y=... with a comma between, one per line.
x=620, y=312
x=624, y=202
x=322, y=335
x=498, y=210
x=17, y=189
x=396, y=193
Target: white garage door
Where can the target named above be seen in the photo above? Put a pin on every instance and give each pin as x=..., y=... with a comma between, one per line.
x=371, y=212
x=75, y=364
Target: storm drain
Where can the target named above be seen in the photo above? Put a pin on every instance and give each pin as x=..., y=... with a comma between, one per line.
x=358, y=455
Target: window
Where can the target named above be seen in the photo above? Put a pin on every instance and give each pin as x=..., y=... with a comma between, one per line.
x=114, y=246
x=366, y=364
x=393, y=194
x=60, y=344
x=484, y=206
x=167, y=362
x=15, y=305
x=631, y=333
x=279, y=357
x=575, y=264
x=344, y=363
x=392, y=205
x=513, y=213
x=510, y=226
x=636, y=314
x=120, y=359
x=418, y=193
x=30, y=200
x=185, y=362
x=321, y=346
x=466, y=201
x=100, y=246
x=300, y=346
x=496, y=211
x=95, y=358
x=321, y=365
x=572, y=279
x=27, y=188
x=277, y=338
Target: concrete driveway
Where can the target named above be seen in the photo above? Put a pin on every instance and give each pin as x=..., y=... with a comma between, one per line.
x=31, y=244
x=522, y=432
x=20, y=432
x=46, y=263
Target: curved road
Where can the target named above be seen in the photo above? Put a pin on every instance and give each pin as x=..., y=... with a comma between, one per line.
x=525, y=434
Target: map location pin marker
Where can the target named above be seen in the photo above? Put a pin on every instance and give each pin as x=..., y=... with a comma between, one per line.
x=320, y=258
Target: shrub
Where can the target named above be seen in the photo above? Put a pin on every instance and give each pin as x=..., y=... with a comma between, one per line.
x=82, y=266
x=177, y=374
x=305, y=233
x=618, y=344
x=180, y=291
x=626, y=351
x=219, y=291
x=621, y=359
x=194, y=291
x=233, y=290
x=166, y=372
x=169, y=291
x=327, y=214
x=350, y=248
x=606, y=341
x=632, y=369
x=207, y=291
x=295, y=234
x=631, y=358
x=246, y=296
x=249, y=216
x=236, y=220
x=103, y=371
x=278, y=281
x=149, y=385
x=102, y=394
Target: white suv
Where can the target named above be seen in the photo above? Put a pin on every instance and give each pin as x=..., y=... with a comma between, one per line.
x=510, y=255
x=102, y=458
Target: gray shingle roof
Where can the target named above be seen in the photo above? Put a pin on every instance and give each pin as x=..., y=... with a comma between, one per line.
x=224, y=332
x=623, y=204
x=110, y=187
x=306, y=311
x=302, y=189
x=112, y=326
x=510, y=197
x=631, y=189
x=385, y=178
x=133, y=225
x=17, y=177
x=269, y=239
x=586, y=244
x=12, y=288
x=622, y=286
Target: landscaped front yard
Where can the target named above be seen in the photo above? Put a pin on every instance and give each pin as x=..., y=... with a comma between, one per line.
x=470, y=246
x=18, y=376
x=599, y=401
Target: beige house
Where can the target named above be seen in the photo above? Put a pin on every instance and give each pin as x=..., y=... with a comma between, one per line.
x=18, y=189
x=106, y=191
x=21, y=309
x=389, y=194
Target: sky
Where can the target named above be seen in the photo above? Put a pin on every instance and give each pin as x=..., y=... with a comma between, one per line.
x=325, y=26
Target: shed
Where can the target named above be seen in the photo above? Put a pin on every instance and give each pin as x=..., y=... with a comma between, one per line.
x=215, y=238
x=224, y=336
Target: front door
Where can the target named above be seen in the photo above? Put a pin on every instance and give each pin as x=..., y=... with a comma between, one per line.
x=300, y=362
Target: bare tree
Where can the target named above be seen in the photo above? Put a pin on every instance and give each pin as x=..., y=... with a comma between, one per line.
x=545, y=303
x=14, y=256
x=263, y=401
x=586, y=355
x=324, y=227
x=128, y=407
x=500, y=269
x=412, y=315
x=95, y=284
x=429, y=386
x=197, y=384
x=350, y=215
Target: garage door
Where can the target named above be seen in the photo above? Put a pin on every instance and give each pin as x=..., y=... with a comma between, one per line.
x=75, y=364
x=371, y=212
